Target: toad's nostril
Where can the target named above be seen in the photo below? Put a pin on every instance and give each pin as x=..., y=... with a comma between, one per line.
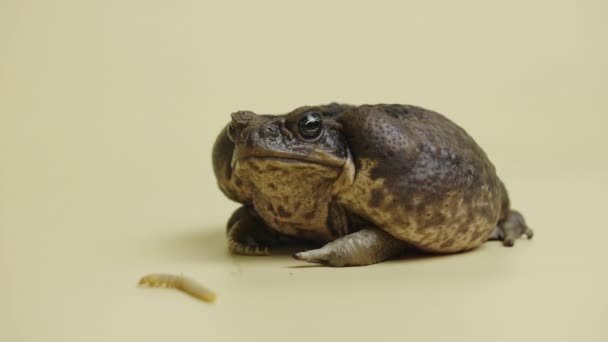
x=271, y=129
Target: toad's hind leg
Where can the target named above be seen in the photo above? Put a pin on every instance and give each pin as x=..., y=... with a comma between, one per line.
x=364, y=247
x=510, y=229
x=249, y=235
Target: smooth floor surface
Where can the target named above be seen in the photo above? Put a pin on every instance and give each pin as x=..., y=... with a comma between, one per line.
x=109, y=109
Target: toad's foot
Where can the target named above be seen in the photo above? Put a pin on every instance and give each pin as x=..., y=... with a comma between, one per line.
x=365, y=247
x=246, y=248
x=511, y=229
x=249, y=235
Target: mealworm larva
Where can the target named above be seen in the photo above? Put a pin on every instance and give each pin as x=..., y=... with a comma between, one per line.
x=178, y=282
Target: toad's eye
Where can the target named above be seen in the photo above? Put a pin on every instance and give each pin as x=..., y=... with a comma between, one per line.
x=310, y=125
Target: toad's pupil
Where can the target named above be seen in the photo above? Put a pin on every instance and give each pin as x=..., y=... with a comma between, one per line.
x=312, y=124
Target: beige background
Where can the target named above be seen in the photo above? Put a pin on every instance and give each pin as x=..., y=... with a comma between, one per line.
x=108, y=110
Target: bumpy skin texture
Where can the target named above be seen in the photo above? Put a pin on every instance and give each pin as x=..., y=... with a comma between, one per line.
x=377, y=178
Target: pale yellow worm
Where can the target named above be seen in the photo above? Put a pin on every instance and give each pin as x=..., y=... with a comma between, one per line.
x=178, y=282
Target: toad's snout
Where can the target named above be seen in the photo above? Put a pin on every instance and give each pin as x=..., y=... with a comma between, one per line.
x=238, y=129
x=242, y=118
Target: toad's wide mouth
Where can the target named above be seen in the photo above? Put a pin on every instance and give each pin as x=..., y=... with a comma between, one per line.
x=324, y=160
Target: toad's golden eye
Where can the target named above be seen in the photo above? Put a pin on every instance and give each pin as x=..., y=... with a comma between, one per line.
x=310, y=125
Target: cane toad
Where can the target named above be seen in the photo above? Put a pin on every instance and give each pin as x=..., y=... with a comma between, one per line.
x=364, y=182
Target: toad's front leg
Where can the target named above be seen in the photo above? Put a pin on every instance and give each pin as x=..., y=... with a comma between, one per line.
x=364, y=247
x=249, y=235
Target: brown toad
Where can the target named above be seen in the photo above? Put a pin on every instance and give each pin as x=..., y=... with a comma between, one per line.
x=367, y=181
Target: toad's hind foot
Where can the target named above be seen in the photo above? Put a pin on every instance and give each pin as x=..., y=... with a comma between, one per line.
x=511, y=229
x=243, y=226
x=240, y=242
x=239, y=248
x=365, y=247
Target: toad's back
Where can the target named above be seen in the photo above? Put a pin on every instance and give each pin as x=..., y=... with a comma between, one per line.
x=422, y=178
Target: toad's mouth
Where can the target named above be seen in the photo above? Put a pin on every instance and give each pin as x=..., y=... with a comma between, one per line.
x=294, y=159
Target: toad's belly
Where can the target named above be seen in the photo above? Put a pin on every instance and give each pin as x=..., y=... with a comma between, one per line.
x=305, y=220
